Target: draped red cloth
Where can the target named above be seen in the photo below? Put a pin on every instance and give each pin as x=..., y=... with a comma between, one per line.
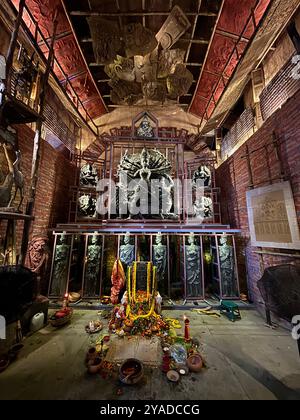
x=118, y=280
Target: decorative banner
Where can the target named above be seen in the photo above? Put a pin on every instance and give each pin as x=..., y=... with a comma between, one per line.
x=174, y=27
x=272, y=217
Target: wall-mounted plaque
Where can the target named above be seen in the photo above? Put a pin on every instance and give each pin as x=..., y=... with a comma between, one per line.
x=272, y=217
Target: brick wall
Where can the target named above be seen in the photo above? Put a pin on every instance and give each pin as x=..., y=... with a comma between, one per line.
x=233, y=178
x=55, y=177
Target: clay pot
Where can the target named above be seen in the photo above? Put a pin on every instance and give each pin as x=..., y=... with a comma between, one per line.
x=94, y=366
x=131, y=372
x=91, y=354
x=173, y=376
x=195, y=363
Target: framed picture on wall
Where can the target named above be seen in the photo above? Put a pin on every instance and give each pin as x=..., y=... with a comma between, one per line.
x=272, y=217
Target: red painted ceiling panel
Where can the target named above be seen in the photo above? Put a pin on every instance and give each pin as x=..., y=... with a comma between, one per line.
x=261, y=9
x=259, y=14
x=219, y=90
x=226, y=52
x=207, y=84
x=43, y=12
x=67, y=52
x=84, y=87
x=235, y=15
x=199, y=106
x=93, y=107
x=231, y=66
x=221, y=49
x=69, y=56
x=210, y=109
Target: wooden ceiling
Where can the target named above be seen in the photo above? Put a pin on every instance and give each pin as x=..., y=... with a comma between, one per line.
x=220, y=32
x=152, y=14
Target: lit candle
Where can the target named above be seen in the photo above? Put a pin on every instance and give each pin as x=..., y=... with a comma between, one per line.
x=187, y=337
x=66, y=301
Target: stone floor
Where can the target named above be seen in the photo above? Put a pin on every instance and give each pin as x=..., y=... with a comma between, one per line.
x=245, y=360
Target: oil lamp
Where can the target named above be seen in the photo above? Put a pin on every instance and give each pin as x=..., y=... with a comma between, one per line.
x=187, y=337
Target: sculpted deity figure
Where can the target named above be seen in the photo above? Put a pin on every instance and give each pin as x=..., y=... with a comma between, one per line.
x=226, y=252
x=145, y=129
x=93, y=261
x=193, y=268
x=60, y=268
x=127, y=251
x=160, y=257
x=88, y=176
x=203, y=173
x=203, y=208
x=147, y=199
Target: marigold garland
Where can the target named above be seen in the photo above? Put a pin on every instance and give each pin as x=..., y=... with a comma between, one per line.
x=132, y=298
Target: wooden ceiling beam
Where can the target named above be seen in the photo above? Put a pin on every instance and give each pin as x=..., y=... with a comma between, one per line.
x=187, y=64
x=193, y=30
x=118, y=8
x=193, y=41
x=140, y=14
x=144, y=9
x=141, y=106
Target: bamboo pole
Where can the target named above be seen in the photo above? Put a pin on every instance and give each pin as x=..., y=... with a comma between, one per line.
x=13, y=45
x=37, y=146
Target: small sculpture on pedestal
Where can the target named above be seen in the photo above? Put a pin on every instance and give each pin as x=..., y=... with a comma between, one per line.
x=60, y=267
x=193, y=268
x=88, y=176
x=227, y=266
x=127, y=251
x=203, y=208
x=87, y=206
x=92, y=267
x=203, y=173
x=160, y=258
x=145, y=130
